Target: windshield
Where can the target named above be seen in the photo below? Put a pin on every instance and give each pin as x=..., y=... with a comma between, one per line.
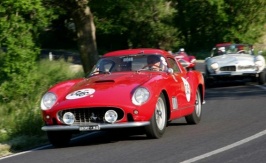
x=130, y=63
x=232, y=49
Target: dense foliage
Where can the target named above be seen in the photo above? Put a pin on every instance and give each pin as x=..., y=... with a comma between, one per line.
x=204, y=23
x=196, y=25
x=139, y=23
x=21, y=116
x=20, y=22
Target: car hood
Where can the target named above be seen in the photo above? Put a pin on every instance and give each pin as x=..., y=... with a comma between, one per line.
x=108, y=89
x=232, y=59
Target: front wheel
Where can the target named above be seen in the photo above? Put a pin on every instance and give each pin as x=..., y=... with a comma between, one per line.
x=195, y=117
x=262, y=76
x=158, y=121
x=207, y=79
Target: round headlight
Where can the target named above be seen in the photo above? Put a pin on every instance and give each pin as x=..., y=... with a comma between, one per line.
x=259, y=63
x=140, y=96
x=214, y=66
x=110, y=116
x=69, y=118
x=48, y=100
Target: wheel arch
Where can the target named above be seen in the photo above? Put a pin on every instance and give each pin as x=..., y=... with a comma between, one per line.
x=202, y=92
x=167, y=102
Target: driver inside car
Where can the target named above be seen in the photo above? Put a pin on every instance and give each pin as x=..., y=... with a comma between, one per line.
x=154, y=63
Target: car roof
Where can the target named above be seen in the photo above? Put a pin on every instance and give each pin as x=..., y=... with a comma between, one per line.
x=140, y=51
x=228, y=44
x=223, y=44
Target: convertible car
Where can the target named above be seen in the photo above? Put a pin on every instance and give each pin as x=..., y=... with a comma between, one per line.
x=140, y=88
x=188, y=61
x=234, y=62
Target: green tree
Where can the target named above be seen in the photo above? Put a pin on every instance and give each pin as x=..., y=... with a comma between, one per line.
x=246, y=19
x=20, y=22
x=133, y=24
x=78, y=13
x=86, y=33
x=204, y=23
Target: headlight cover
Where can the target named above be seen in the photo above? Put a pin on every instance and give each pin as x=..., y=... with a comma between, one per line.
x=140, y=96
x=111, y=116
x=48, y=100
x=214, y=66
x=259, y=63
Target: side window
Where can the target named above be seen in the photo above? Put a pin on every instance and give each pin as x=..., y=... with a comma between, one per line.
x=173, y=65
x=106, y=65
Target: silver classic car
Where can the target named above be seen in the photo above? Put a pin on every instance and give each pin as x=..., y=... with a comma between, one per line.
x=234, y=61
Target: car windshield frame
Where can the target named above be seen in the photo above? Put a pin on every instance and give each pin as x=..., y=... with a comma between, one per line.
x=127, y=63
x=232, y=49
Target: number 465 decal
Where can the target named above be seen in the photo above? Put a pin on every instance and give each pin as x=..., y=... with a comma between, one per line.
x=187, y=89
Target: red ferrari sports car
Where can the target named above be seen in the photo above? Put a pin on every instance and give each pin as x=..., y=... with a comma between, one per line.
x=144, y=88
x=188, y=61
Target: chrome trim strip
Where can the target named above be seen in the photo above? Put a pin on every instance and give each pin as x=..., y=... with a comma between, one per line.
x=102, y=126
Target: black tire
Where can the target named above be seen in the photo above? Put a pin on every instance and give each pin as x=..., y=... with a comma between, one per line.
x=195, y=117
x=207, y=73
x=59, y=138
x=261, y=78
x=206, y=76
x=158, y=121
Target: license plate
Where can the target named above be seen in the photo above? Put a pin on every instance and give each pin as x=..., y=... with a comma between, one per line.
x=89, y=128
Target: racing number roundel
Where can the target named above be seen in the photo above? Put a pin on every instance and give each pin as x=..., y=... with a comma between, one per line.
x=80, y=93
x=187, y=89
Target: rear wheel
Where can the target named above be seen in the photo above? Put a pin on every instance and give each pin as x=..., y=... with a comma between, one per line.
x=59, y=138
x=195, y=117
x=158, y=121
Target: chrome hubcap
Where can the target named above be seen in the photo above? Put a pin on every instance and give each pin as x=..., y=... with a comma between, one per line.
x=160, y=114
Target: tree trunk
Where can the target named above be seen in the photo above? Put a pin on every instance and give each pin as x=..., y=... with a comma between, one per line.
x=86, y=34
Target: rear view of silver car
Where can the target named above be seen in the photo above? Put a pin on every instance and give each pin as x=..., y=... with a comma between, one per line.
x=233, y=62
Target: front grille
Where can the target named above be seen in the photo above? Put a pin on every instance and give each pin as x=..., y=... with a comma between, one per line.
x=246, y=67
x=228, y=68
x=90, y=115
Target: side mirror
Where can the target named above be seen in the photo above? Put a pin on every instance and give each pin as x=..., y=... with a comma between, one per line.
x=170, y=71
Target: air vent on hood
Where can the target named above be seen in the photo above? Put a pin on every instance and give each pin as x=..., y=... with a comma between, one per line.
x=104, y=81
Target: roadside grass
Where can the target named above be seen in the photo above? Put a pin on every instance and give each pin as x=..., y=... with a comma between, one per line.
x=21, y=120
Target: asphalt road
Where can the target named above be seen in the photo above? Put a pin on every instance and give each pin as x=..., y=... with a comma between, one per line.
x=232, y=129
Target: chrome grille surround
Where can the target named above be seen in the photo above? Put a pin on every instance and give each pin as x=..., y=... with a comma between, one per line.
x=228, y=68
x=85, y=116
x=246, y=67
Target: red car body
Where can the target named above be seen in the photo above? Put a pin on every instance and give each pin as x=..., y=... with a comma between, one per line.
x=131, y=97
x=188, y=61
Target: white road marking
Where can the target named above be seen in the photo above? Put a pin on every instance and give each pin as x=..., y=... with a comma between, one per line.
x=241, y=142
x=43, y=147
x=20, y=153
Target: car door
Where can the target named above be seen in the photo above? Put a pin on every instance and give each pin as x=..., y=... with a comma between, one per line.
x=180, y=87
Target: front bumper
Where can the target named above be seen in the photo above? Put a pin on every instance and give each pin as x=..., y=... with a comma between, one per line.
x=234, y=74
x=100, y=126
